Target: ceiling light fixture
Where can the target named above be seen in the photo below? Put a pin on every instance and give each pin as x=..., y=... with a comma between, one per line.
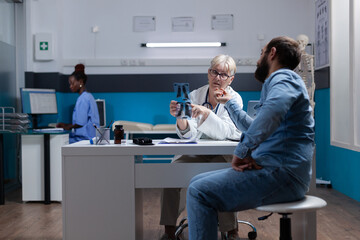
x=183, y=44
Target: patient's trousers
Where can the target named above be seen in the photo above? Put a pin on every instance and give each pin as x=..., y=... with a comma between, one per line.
x=173, y=199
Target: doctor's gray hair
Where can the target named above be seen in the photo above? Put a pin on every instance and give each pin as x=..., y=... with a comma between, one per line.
x=225, y=60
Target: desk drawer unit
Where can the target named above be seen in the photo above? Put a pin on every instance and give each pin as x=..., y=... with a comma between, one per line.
x=32, y=161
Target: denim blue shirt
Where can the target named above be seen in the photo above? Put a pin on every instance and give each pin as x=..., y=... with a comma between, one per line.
x=282, y=134
x=85, y=114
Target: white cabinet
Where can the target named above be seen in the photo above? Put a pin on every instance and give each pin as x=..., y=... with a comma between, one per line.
x=32, y=151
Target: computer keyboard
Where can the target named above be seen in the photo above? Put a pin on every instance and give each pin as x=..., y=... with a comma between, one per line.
x=48, y=130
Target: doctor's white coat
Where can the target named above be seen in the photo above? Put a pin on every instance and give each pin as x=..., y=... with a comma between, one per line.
x=217, y=126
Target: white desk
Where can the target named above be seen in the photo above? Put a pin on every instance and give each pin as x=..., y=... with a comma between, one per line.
x=99, y=184
x=102, y=184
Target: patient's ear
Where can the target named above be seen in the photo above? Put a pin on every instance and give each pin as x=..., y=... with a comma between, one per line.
x=272, y=53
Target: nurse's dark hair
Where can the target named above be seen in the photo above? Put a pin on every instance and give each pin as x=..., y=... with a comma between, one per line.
x=287, y=51
x=79, y=73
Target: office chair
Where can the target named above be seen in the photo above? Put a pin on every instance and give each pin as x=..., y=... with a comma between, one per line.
x=307, y=204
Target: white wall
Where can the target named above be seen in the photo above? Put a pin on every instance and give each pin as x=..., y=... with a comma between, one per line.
x=70, y=22
x=340, y=75
x=355, y=69
x=344, y=74
x=7, y=23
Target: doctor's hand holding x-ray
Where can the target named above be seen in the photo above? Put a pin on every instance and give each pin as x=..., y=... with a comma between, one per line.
x=196, y=111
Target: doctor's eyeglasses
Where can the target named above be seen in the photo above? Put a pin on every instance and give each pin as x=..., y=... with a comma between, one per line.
x=222, y=76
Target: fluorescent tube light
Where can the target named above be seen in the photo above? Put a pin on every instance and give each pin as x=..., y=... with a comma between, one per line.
x=183, y=44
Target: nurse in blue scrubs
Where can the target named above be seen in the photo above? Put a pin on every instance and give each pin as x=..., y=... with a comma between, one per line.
x=85, y=113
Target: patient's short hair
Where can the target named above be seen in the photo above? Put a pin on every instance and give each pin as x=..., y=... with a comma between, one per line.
x=287, y=51
x=228, y=61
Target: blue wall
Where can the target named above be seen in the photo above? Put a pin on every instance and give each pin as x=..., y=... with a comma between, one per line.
x=148, y=107
x=339, y=165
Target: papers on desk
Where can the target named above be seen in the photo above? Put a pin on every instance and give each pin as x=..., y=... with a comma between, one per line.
x=178, y=141
x=194, y=139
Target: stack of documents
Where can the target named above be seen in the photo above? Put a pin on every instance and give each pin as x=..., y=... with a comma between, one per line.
x=14, y=122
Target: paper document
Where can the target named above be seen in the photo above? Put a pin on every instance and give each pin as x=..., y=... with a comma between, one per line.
x=177, y=140
x=194, y=139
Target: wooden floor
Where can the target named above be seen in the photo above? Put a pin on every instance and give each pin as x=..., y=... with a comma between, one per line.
x=35, y=221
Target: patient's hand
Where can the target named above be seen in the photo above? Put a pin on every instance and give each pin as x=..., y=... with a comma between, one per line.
x=198, y=111
x=222, y=96
x=241, y=164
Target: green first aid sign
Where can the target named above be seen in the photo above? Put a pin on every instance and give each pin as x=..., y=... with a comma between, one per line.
x=44, y=46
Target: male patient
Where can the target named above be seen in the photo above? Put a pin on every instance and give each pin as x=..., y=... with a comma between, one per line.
x=272, y=162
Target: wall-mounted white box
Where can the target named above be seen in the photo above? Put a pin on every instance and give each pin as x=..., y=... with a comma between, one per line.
x=43, y=47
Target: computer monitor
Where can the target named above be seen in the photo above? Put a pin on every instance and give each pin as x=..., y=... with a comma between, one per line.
x=251, y=111
x=35, y=101
x=38, y=101
x=102, y=111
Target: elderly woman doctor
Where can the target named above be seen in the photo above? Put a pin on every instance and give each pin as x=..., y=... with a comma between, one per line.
x=209, y=120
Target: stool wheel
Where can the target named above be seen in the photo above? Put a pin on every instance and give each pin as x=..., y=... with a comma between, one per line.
x=252, y=235
x=180, y=228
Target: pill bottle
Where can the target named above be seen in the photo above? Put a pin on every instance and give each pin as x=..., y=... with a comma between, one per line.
x=118, y=134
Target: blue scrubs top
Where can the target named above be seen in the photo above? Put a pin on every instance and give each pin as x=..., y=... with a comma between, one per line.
x=85, y=114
